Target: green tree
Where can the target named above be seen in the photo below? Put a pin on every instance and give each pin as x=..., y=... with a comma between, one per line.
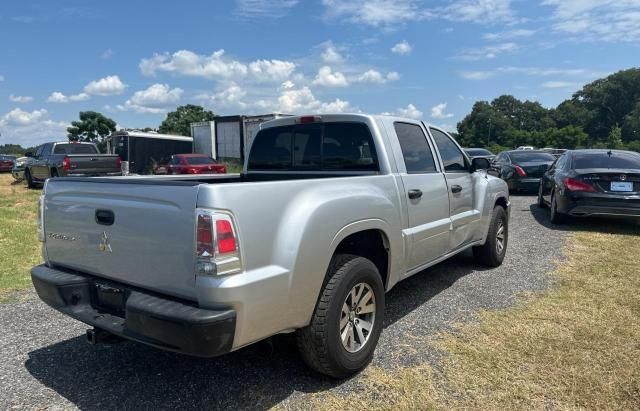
x=93, y=127
x=179, y=122
x=631, y=125
x=614, y=139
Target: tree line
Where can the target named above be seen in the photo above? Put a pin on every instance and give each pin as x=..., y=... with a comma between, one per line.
x=603, y=114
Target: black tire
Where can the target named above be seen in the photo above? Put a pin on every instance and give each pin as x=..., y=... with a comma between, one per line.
x=490, y=254
x=554, y=216
x=54, y=173
x=320, y=343
x=541, y=202
x=27, y=176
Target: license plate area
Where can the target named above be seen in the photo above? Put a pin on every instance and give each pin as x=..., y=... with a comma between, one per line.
x=622, y=186
x=109, y=298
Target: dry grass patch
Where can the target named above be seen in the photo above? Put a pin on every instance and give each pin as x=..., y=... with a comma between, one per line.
x=19, y=248
x=574, y=347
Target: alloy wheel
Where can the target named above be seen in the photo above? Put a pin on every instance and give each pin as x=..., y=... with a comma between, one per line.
x=357, y=317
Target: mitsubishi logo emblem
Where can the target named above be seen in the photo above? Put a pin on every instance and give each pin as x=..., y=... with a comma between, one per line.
x=105, y=246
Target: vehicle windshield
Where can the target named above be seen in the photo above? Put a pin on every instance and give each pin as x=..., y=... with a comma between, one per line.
x=604, y=160
x=528, y=157
x=72, y=148
x=198, y=160
x=475, y=152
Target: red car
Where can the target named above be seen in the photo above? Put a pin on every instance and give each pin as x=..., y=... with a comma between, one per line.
x=6, y=162
x=194, y=164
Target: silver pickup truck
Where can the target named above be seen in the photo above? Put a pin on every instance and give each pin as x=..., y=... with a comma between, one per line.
x=329, y=213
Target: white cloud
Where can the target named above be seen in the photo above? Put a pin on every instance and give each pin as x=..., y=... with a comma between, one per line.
x=30, y=128
x=329, y=78
x=487, y=52
x=410, y=111
x=478, y=11
x=375, y=77
x=231, y=96
x=107, y=54
x=532, y=71
x=597, y=20
x=264, y=8
x=58, y=97
x=107, y=86
x=373, y=12
x=215, y=66
x=294, y=100
x=560, y=84
x=153, y=100
x=508, y=35
x=402, y=48
x=271, y=70
x=331, y=55
x=439, y=111
x=20, y=99
x=19, y=117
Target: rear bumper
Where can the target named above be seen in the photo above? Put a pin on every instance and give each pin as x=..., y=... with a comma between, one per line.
x=525, y=184
x=586, y=206
x=155, y=320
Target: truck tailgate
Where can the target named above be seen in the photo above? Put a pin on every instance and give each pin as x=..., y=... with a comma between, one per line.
x=150, y=243
x=93, y=164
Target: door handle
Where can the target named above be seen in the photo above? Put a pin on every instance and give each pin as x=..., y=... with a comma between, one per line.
x=456, y=188
x=413, y=194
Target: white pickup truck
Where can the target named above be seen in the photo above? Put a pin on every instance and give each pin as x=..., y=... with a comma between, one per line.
x=330, y=212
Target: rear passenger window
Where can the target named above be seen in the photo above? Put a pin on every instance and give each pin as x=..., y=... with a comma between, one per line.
x=336, y=146
x=272, y=151
x=416, y=152
x=452, y=157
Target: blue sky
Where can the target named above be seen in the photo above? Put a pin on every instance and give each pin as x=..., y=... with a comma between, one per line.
x=135, y=60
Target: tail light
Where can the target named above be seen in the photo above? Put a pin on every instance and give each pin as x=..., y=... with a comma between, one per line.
x=192, y=171
x=66, y=164
x=119, y=163
x=217, y=250
x=572, y=184
x=520, y=171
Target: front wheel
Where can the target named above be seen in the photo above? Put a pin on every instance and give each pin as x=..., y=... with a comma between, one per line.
x=30, y=182
x=347, y=321
x=541, y=202
x=492, y=252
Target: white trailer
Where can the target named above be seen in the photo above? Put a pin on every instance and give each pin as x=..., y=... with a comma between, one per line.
x=228, y=137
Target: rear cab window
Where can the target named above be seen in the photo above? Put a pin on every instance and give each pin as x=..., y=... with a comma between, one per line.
x=72, y=148
x=416, y=152
x=332, y=146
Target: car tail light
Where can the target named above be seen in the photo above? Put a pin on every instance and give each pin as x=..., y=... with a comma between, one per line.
x=119, y=163
x=520, y=171
x=66, y=164
x=572, y=184
x=217, y=248
x=192, y=171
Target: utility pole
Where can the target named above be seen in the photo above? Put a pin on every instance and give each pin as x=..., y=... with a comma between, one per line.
x=489, y=135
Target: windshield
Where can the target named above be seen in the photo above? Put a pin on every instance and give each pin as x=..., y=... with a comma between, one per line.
x=474, y=152
x=603, y=160
x=528, y=157
x=196, y=161
x=72, y=148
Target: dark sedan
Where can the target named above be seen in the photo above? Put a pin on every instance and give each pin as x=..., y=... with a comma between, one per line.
x=586, y=183
x=479, y=152
x=6, y=162
x=521, y=169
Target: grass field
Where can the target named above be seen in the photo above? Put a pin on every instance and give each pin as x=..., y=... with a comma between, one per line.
x=19, y=248
x=574, y=347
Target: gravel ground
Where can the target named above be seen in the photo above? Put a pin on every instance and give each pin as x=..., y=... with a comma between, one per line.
x=46, y=363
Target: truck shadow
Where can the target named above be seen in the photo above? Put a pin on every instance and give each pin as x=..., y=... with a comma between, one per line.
x=593, y=224
x=130, y=375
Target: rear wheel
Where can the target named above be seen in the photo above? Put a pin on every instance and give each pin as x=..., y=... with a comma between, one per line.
x=541, y=202
x=555, y=216
x=54, y=173
x=27, y=176
x=347, y=321
x=492, y=252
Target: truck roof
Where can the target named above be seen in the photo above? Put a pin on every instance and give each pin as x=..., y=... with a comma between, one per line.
x=284, y=121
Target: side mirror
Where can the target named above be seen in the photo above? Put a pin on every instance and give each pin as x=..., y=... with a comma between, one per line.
x=480, y=163
x=28, y=154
